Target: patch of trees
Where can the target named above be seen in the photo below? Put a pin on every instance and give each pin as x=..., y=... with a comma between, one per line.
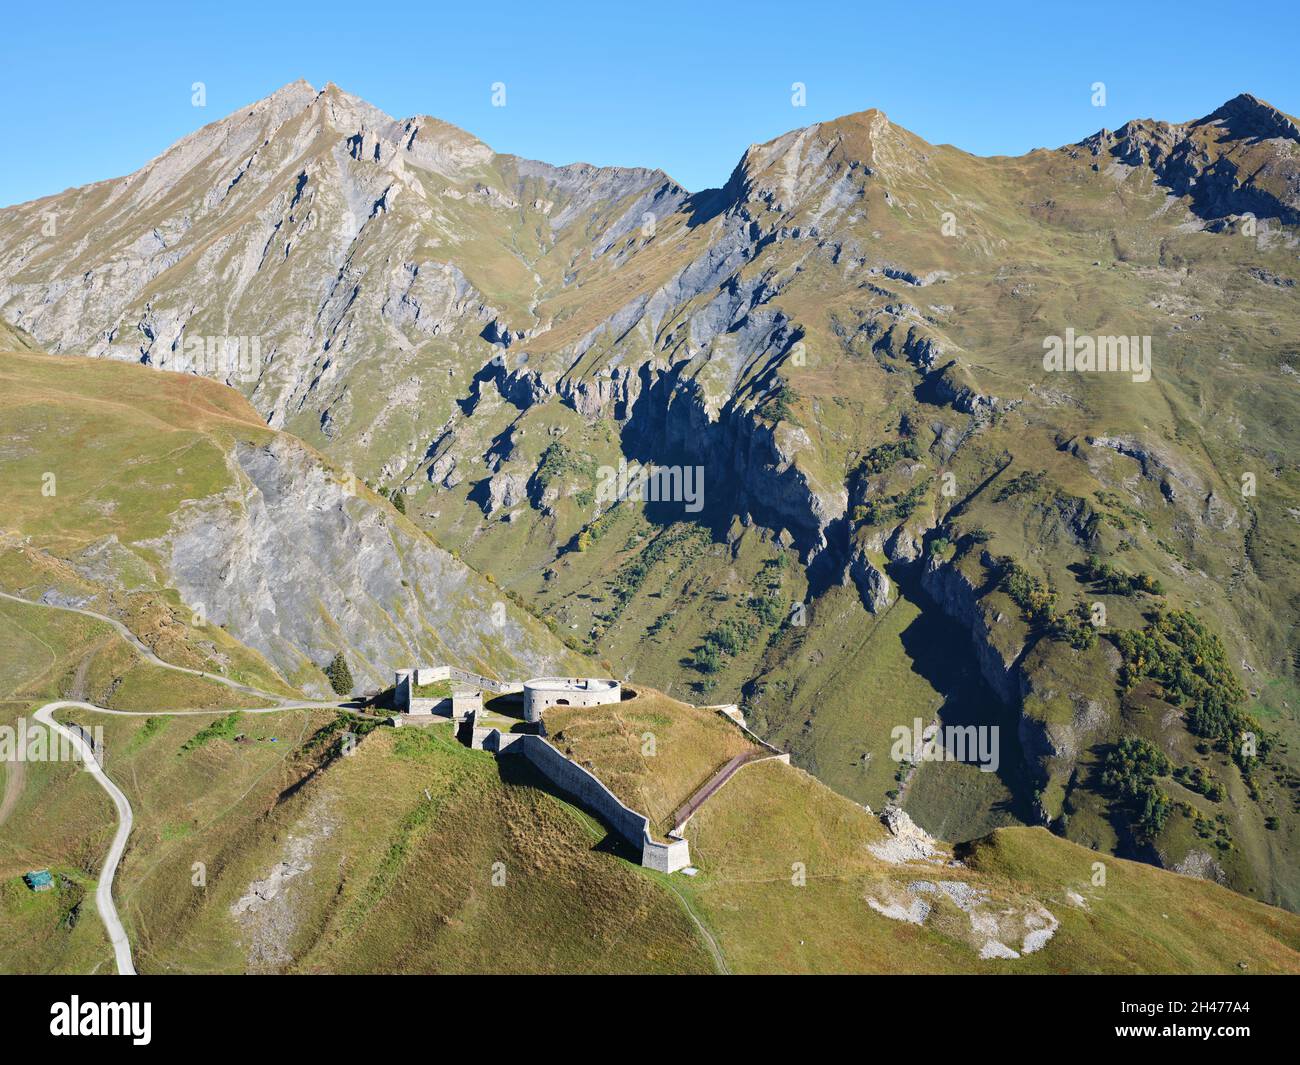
x=885, y=456
x=767, y=608
x=558, y=460
x=940, y=547
x=1034, y=596
x=1131, y=770
x=1112, y=581
x=1036, y=599
x=593, y=533
x=1189, y=662
x=630, y=576
x=898, y=507
x=1196, y=779
x=780, y=405
x=1075, y=628
x=1021, y=484
x=726, y=640
x=395, y=496
x=1215, y=830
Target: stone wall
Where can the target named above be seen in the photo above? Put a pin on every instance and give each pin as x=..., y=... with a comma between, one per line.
x=587, y=790
x=464, y=703
x=666, y=857
x=454, y=706
x=574, y=780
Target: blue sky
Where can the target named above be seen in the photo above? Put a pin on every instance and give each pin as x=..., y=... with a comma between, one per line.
x=91, y=91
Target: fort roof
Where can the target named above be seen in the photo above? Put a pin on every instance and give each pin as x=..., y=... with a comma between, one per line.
x=572, y=684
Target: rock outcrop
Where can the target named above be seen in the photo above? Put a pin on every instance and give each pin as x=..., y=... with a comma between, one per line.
x=295, y=564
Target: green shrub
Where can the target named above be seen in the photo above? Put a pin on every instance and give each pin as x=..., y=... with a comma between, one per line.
x=1112, y=581
x=732, y=636
x=338, y=674
x=898, y=507
x=226, y=728
x=1020, y=484
x=708, y=659
x=559, y=460
x=884, y=456
x=1196, y=779
x=1037, y=601
x=767, y=608
x=780, y=406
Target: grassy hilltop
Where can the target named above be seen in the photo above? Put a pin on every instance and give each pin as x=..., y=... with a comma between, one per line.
x=414, y=854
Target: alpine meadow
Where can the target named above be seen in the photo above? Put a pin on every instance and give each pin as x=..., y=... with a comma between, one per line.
x=422, y=559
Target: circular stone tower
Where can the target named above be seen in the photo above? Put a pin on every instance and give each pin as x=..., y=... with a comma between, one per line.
x=543, y=692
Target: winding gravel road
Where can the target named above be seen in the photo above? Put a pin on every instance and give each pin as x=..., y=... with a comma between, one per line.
x=45, y=715
x=104, y=889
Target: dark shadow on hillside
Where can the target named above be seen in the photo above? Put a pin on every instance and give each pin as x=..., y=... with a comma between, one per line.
x=1119, y=813
x=704, y=206
x=940, y=651
x=518, y=771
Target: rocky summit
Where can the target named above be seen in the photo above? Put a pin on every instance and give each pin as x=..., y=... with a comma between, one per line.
x=880, y=441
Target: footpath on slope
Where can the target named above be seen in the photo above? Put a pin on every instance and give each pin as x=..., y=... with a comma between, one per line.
x=687, y=810
x=143, y=649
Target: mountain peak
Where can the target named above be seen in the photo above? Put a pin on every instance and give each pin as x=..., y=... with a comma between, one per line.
x=294, y=94
x=1249, y=116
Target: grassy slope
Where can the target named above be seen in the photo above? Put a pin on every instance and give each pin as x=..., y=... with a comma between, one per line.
x=60, y=818
x=653, y=752
x=748, y=837
x=400, y=882
x=402, y=840
x=1050, y=239
x=1220, y=402
x=403, y=882
x=403, y=836
x=1044, y=241
x=126, y=446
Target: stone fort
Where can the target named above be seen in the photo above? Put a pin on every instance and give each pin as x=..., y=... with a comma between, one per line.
x=426, y=692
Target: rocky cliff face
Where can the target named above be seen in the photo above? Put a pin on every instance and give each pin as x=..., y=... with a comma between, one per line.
x=1243, y=158
x=996, y=638
x=375, y=273
x=317, y=254
x=295, y=563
